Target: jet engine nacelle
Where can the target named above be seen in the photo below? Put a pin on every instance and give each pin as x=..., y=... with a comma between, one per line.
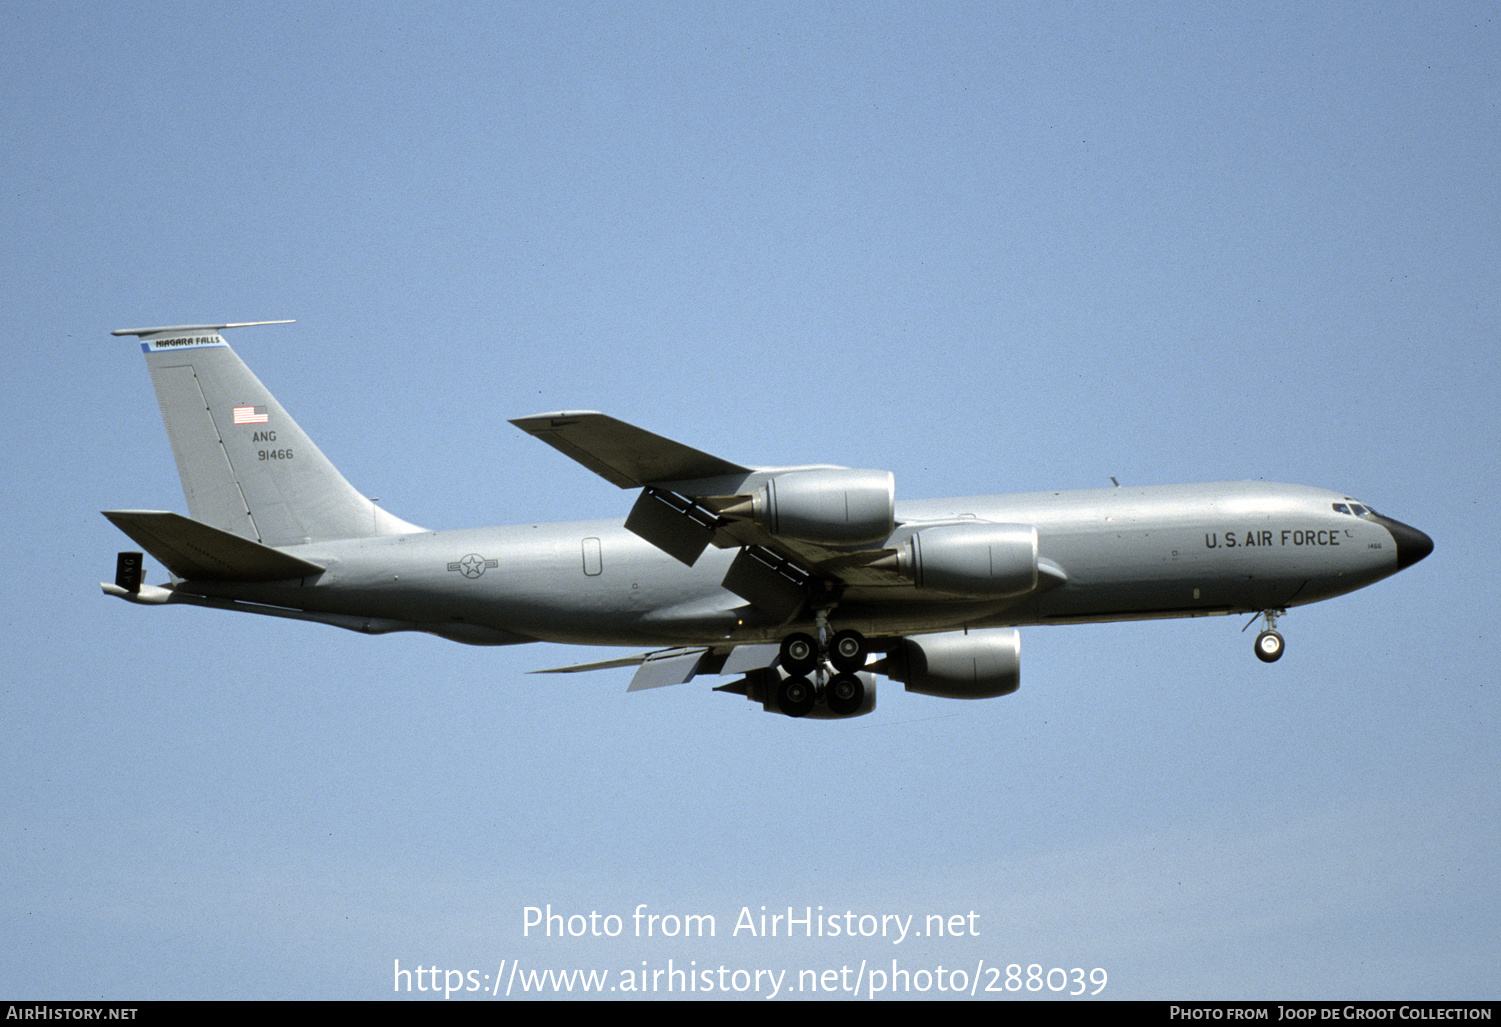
x=834, y=507
x=976, y=664
x=974, y=559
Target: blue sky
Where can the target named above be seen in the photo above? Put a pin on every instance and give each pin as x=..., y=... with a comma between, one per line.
x=988, y=247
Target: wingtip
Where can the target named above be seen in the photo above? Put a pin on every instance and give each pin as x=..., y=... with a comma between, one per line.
x=552, y=420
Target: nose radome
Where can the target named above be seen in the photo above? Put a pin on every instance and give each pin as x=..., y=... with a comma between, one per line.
x=1412, y=544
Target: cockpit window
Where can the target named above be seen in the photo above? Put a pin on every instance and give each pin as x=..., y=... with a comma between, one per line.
x=1341, y=508
x=1358, y=510
x=1352, y=507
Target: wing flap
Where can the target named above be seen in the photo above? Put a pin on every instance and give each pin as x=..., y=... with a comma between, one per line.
x=673, y=667
x=676, y=666
x=194, y=550
x=671, y=526
x=653, y=670
x=749, y=657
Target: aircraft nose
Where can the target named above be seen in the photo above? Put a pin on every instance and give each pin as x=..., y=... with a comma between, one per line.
x=1412, y=544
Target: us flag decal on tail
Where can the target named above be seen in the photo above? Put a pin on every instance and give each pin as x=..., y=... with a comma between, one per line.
x=250, y=415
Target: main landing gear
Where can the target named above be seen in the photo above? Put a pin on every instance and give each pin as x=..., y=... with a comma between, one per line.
x=847, y=651
x=1269, y=644
x=802, y=655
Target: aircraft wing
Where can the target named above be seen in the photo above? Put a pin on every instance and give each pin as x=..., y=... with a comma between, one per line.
x=691, y=500
x=621, y=453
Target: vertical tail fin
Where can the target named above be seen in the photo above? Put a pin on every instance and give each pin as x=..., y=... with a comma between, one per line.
x=246, y=466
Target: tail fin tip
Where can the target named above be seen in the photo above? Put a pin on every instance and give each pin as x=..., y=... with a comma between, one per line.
x=195, y=328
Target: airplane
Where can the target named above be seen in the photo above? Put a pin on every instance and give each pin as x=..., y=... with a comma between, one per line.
x=805, y=583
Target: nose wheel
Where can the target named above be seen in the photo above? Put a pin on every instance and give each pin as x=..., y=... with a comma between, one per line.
x=1269, y=644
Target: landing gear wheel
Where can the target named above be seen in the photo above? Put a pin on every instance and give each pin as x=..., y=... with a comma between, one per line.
x=799, y=653
x=1269, y=647
x=846, y=694
x=795, y=696
x=847, y=651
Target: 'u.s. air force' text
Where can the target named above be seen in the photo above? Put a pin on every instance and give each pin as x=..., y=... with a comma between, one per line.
x=794, y=923
x=1263, y=538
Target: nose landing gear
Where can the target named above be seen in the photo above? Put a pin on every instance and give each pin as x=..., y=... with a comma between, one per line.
x=1269, y=644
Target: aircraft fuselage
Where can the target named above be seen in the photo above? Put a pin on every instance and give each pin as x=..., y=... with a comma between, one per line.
x=1129, y=552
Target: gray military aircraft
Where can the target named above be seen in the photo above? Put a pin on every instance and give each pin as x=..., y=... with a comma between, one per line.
x=805, y=582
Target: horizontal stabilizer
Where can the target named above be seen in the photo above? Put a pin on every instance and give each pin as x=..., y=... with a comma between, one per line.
x=621, y=453
x=194, y=550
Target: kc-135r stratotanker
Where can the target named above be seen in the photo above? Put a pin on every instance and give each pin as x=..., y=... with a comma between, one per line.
x=804, y=583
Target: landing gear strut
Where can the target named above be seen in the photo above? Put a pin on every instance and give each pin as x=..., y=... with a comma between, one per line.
x=1269, y=644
